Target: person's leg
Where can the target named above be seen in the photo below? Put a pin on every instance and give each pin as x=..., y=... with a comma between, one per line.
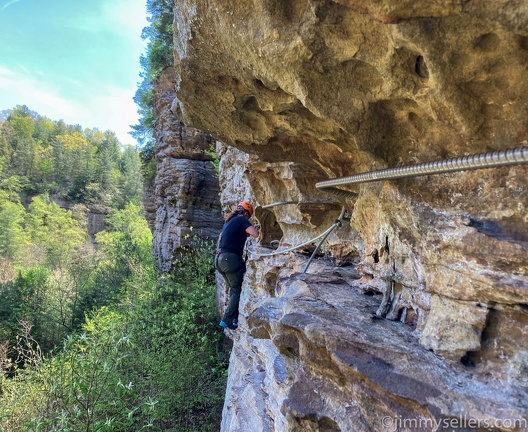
x=224, y=275
x=233, y=268
x=231, y=312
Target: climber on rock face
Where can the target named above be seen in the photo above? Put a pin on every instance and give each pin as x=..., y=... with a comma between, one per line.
x=229, y=261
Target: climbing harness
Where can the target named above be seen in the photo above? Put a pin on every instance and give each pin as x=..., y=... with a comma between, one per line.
x=476, y=161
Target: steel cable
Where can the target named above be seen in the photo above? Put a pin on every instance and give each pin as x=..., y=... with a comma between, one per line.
x=477, y=161
x=290, y=249
x=337, y=223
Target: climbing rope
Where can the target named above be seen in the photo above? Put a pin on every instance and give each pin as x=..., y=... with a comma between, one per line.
x=290, y=249
x=278, y=203
x=323, y=235
x=477, y=161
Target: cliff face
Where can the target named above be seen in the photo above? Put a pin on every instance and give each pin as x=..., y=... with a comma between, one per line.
x=416, y=308
x=183, y=198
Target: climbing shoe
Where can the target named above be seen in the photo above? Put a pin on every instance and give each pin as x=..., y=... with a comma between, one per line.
x=232, y=326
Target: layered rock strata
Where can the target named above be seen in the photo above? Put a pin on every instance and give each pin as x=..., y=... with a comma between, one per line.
x=416, y=308
x=184, y=193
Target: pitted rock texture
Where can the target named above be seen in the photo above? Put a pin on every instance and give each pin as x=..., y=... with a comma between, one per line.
x=185, y=189
x=312, y=356
x=303, y=91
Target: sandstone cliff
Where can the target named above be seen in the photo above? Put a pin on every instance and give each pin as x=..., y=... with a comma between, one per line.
x=416, y=309
x=184, y=194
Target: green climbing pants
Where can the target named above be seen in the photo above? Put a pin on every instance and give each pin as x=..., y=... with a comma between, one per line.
x=232, y=267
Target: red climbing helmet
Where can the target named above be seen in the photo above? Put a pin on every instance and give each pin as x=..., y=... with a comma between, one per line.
x=245, y=205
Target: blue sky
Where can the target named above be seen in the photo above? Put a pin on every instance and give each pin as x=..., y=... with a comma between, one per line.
x=76, y=60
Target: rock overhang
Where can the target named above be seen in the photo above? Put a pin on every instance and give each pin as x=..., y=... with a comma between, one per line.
x=309, y=90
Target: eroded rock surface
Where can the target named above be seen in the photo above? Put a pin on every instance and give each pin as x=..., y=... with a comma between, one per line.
x=185, y=189
x=313, y=356
x=426, y=318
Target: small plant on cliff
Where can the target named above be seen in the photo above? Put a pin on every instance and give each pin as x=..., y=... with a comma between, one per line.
x=215, y=159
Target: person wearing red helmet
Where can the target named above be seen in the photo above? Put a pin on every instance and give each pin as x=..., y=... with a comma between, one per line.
x=229, y=261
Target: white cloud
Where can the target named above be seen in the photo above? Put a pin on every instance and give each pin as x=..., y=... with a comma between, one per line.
x=19, y=88
x=114, y=109
x=7, y=3
x=126, y=18
x=5, y=71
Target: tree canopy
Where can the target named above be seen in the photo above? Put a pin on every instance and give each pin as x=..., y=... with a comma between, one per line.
x=41, y=156
x=53, y=272
x=159, y=55
x=91, y=338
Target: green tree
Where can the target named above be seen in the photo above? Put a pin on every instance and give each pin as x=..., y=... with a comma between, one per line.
x=32, y=305
x=23, y=144
x=108, y=174
x=54, y=229
x=132, y=187
x=159, y=55
x=43, y=173
x=147, y=362
x=13, y=185
x=6, y=136
x=12, y=234
x=124, y=255
x=55, y=261
x=127, y=242
x=44, y=129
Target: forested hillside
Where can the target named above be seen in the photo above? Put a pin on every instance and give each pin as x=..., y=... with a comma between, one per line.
x=41, y=156
x=90, y=337
x=45, y=248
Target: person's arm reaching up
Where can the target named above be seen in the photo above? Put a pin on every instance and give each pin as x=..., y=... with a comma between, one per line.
x=252, y=231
